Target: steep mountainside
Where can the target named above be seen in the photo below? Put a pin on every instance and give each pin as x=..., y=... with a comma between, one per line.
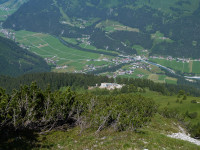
x=15, y=60
x=177, y=20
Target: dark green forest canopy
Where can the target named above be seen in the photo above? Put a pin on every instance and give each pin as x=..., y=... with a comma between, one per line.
x=16, y=61
x=77, y=81
x=177, y=20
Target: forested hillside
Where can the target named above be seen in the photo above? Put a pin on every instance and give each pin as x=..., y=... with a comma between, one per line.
x=177, y=20
x=15, y=61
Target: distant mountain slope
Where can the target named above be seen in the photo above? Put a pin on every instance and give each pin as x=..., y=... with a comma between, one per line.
x=12, y=4
x=16, y=61
x=176, y=19
x=3, y=1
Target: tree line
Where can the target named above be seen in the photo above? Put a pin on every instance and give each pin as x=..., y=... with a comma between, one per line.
x=83, y=81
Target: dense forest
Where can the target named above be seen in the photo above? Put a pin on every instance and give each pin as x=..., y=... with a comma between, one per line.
x=83, y=81
x=15, y=60
x=182, y=29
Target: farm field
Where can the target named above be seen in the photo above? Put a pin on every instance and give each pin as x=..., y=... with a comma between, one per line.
x=49, y=47
x=82, y=43
x=162, y=79
x=111, y=26
x=155, y=74
x=141, y=73
x=196, y=67
x=177, y=66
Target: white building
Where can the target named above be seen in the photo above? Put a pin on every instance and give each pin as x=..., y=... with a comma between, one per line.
x=110, y=86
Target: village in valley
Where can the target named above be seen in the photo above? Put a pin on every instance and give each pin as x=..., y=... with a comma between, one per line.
x=121, y=65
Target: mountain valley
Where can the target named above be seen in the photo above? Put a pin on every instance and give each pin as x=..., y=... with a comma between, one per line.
x=100, y=74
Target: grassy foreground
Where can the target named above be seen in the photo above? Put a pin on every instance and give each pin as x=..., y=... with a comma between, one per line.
x=150, y=137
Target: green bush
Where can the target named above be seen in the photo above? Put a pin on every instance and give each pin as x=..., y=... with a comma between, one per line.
x=122, y=112
x=184, y=97
x=32, y=108
x=177, y=101
x=171, y=113
x=195, y=130
x=193, y=115
x=193, y=101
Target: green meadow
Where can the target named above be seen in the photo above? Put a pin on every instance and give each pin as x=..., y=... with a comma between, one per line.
x=191, y=67
x=177, y=66
x=196, y=67
x=181, y=105
x=50, y=47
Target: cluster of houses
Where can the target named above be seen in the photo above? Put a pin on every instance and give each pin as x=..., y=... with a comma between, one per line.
x=131, y=69
x=51, y=60
x=135, y=63
x=8, y=34
x=122, y=60
x=61, y=67
x=84, y=39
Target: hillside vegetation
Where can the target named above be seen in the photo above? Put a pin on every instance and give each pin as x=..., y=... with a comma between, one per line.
x=133, y=117
x=12, y=4
x=16, y=61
